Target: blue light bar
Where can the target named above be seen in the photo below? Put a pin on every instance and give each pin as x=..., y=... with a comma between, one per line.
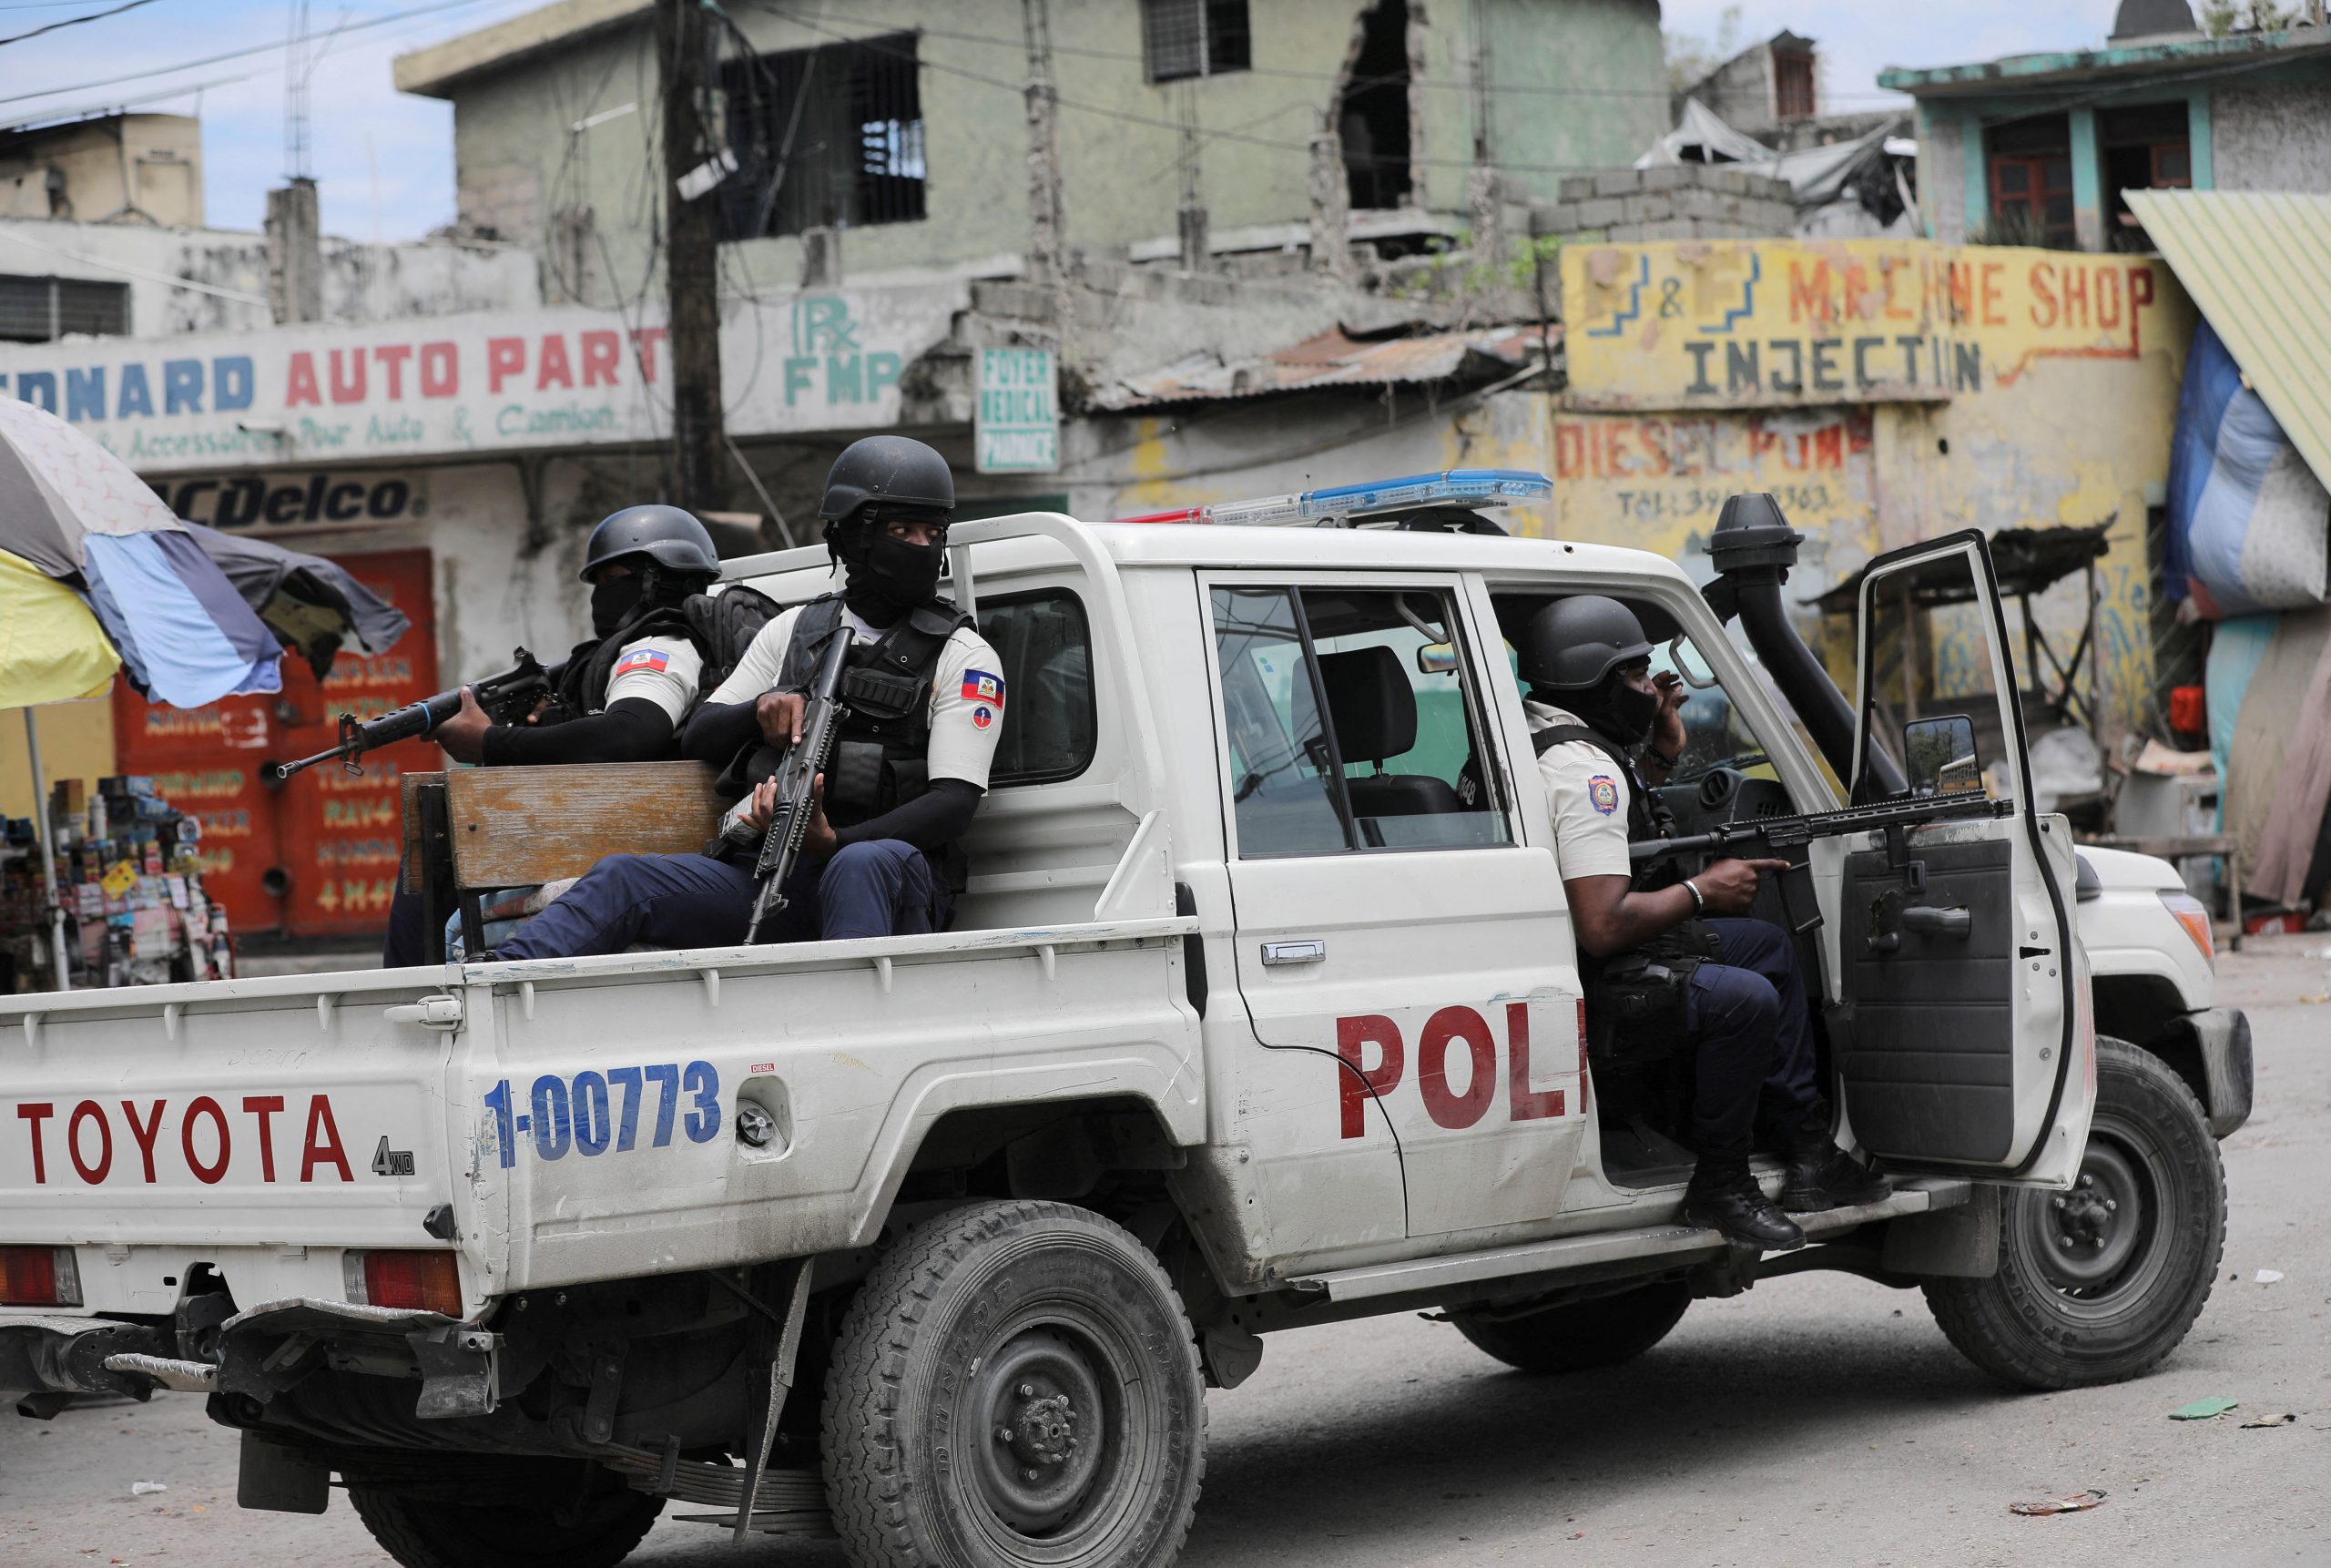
x=1454, y=487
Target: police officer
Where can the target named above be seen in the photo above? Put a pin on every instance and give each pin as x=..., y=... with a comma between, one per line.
x=1591, y=701
x=624, y=691
x=908, y=766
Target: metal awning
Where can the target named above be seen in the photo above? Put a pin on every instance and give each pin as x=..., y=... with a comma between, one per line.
x=2259, y=266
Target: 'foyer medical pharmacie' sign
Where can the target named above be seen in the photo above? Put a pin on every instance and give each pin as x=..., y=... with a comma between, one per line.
x=450, y=386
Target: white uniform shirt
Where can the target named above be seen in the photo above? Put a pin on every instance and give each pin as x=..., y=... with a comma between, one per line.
x=966, y=694
x=1586, y=795
x=661, y=670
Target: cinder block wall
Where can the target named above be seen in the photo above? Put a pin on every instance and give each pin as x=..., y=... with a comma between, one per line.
x=1677, y=201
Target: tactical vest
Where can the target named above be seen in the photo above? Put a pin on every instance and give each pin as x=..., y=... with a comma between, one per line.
x=720, y=627
x=1643, y=985
x=882, y=746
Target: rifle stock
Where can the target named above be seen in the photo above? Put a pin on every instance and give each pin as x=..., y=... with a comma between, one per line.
x=797, y=778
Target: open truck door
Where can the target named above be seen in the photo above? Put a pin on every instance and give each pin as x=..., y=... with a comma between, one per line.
x=1964, y=1037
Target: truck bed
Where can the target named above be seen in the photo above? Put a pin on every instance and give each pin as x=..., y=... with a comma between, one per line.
x=560, y=1120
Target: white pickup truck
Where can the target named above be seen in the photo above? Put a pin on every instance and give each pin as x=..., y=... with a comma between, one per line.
x=1262, y=1010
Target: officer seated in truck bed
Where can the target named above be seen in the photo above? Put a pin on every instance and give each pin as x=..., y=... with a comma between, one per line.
x=926, y=705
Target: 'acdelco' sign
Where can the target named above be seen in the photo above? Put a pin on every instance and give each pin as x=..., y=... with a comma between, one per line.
x=261, y=501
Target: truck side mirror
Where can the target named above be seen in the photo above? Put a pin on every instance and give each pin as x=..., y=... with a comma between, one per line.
x=1939, y=755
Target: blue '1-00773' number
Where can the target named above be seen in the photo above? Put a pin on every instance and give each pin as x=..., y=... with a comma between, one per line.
x=592, y=1113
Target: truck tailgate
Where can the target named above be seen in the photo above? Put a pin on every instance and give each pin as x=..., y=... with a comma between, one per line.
x=278, y=1113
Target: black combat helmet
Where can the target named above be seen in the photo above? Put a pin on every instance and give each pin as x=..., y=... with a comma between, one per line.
x=666, y=536
x=1573, y=643
x=895, y=469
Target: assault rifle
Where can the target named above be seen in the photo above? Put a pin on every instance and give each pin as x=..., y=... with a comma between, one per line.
x=1763, y=837
x=797, y=775
x=507, y=698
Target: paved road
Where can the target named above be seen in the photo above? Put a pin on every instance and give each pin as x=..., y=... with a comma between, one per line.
x=1812, y=1422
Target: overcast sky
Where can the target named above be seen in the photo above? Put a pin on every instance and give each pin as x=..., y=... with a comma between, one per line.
x=384, y=161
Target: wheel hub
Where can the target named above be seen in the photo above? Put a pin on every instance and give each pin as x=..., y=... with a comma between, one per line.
x=2088, y=1239
x=1036, y=1467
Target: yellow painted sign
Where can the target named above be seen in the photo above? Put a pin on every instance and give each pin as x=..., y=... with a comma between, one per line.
x=1762, y=323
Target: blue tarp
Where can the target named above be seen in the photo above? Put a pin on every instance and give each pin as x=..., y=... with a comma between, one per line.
x=185, y=637
x=2247, y=518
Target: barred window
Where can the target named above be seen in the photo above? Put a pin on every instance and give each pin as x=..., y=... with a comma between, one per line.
x=42, y=309
x=1182, y=38
x=830, y=137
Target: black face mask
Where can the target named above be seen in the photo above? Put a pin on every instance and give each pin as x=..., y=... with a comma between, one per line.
x=613, y=600
x=888, y=577
x=1618, y=710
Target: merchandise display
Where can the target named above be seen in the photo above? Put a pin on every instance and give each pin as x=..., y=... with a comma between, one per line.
x=127, y=874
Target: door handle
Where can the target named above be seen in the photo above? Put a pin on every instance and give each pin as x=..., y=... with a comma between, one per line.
x=1277, y=952
x=1931, y=922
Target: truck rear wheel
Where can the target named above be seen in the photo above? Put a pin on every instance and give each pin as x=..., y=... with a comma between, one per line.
x=2100, y=1283
x=549, y=1526
x=1601, y=1331
x=1016, y=1383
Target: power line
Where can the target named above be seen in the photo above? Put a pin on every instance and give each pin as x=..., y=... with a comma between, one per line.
x=75, y=22
x=1105, y=112
x=236, y=53
x=1439, y=84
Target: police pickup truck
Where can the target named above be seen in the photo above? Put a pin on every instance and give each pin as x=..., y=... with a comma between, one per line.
x=1262, y=1010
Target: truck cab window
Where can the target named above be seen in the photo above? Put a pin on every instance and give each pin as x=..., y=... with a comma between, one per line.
x=1046, y=649
x=1352, y=720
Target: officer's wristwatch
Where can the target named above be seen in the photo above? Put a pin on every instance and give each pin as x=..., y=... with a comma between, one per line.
x=1653, y=754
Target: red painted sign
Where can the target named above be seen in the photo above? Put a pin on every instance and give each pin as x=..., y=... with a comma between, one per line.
x=1448, y=1033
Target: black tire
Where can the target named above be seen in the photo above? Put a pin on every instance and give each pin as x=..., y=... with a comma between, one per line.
x=998, y=1342
x=2146, y=1219
x=424, y=1530
x=1601, y=1331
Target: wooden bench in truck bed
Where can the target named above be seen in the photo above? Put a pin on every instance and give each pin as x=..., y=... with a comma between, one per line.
x=471, y=830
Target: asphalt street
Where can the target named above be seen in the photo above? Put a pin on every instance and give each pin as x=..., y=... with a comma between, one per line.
x=1814, y=1420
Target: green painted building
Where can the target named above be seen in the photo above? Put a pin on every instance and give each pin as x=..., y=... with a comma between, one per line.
x=902, y=124
x=2036, y=150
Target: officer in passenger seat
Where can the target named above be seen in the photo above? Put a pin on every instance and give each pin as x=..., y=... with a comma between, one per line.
x=623, y=693
x=1650, y=946
x=926, y=705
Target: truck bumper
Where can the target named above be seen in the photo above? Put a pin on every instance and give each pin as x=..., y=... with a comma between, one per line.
x=42, y=1358
x=2221, y=1036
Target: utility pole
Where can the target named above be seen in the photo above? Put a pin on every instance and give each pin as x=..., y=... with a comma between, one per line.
x=684, y=45
x=1047, y=264
x=1197, y=251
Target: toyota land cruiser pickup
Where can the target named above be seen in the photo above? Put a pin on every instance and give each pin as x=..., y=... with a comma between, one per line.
x=1262, y=1009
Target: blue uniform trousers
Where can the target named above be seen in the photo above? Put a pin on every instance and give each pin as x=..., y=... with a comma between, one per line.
x=1755, y=1042
x=878, y=887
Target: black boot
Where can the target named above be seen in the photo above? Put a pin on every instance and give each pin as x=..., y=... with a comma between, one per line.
x=1724, y=1196
x=1821, y=1175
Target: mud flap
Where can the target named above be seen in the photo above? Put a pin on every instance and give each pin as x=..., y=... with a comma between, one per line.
x=277, y=1480
x=1961, y=1242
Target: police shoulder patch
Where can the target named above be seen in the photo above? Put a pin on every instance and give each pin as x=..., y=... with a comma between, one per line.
x=1602, y=792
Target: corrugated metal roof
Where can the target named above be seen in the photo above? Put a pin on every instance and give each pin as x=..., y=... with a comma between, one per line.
x=2259, y=266
x=1333, y=359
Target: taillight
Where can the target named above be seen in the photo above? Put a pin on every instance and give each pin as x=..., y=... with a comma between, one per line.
x=413, y=1281
x=2195, y=918
x=40, y=1277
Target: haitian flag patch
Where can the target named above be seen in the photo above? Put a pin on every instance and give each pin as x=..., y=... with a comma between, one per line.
x=981, y=687
x=638, y=661
x=1602, y=792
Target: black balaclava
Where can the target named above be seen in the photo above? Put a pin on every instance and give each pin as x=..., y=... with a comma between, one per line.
x=1616, y=708
x=615, y=601
x=886, y=577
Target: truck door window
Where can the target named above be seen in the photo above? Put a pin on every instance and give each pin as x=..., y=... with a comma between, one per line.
x=1045, y=648
x=1350, y=728
x=1930, y=656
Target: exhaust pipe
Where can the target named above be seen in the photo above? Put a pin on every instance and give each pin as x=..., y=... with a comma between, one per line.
x=1753, y=548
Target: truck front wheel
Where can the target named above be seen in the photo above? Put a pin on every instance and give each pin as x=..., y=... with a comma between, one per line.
x=2097, y=1284
x=1601, y=1331
x=569, y=1521
x=1016, y=1383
